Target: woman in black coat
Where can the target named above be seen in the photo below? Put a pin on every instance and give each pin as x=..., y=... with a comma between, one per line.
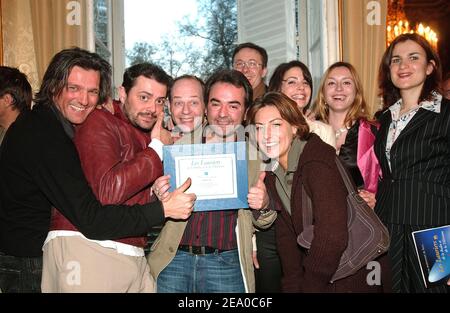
x=413, y=147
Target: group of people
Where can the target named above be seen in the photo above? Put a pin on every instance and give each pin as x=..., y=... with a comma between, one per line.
x=81, y=179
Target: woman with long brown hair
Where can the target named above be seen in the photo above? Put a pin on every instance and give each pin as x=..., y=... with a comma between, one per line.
x=294, y=80
x=413, y=146
x=303, y=160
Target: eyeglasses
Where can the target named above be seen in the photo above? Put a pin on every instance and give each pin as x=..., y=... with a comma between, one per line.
x=250, y=64
x=293, y=81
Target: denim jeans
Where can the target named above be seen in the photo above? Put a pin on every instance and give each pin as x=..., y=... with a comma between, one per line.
x=190, y=273
x=19, y=274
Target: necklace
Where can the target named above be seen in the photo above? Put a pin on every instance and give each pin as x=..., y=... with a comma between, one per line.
x=340, y=131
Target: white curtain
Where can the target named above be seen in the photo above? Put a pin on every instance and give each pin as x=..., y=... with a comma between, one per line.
x=364, y=42
x=18, y=41
x=57, y=25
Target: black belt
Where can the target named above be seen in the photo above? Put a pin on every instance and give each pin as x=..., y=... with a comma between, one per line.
x=199, y=249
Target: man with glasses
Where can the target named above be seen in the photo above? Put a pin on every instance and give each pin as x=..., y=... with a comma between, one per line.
x=251, y=60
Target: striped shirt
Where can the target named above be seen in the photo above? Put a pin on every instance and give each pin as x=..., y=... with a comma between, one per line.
x=214, y=229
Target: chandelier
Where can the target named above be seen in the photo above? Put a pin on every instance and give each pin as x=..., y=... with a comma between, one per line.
x=397, y=24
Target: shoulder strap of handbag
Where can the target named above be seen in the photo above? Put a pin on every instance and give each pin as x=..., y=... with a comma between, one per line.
x=345, y=177
x=307, y=211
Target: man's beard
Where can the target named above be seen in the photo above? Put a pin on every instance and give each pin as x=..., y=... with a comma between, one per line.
x=147, y=128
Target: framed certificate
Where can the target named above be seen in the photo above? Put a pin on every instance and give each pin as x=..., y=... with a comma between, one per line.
x=218, y=172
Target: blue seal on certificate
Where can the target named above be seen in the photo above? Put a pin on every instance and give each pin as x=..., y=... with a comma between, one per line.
x=218, y=172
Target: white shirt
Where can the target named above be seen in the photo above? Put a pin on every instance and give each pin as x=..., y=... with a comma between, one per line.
x=399, y=122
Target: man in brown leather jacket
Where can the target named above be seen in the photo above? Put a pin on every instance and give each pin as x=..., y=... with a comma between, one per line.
x=120, y=168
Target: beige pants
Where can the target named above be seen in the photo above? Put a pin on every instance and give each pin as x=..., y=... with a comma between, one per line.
x=74, y=264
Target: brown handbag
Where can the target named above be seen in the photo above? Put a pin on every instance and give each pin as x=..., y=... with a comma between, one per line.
x=368, y=238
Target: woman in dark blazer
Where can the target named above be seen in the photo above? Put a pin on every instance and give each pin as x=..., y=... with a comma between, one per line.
x=300, y=159
x=413, y=147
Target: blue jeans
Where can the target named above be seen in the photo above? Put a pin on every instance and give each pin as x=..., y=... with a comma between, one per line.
x=19, y=274
x=190, y=273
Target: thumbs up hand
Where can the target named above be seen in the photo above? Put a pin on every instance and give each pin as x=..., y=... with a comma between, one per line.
x=257, y=195
x=179, y=205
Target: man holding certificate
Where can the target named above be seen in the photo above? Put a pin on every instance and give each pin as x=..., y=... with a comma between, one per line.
x=206, y=252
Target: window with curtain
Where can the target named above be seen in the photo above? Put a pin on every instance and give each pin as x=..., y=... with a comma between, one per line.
x=101, y=29
x=108, y=34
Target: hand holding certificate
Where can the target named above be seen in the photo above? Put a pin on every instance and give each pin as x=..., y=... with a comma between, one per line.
x=218, y=173
x=179, y=204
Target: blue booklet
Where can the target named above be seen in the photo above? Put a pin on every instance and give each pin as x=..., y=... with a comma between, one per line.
x=432, y=248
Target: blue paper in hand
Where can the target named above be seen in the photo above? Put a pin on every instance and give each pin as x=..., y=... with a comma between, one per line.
x=432, y=248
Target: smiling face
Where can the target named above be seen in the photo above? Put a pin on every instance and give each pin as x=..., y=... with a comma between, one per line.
x=80, y=96
x=144, y=102
x=187, y=106
x=274, y=134
x=226, y=108
x=339, y=90
x=409, y=67
x=250, y=63
x=296, y=87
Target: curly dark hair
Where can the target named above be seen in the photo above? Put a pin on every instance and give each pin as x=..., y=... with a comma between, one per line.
x=147, y=70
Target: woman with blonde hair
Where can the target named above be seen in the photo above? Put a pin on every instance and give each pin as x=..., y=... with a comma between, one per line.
x=340, y=103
